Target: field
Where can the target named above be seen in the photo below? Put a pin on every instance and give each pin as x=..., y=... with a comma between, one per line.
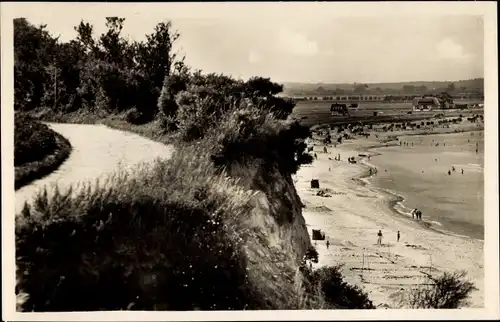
x=318, y=112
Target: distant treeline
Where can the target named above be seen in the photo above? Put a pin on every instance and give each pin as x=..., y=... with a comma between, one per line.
x=468, y=89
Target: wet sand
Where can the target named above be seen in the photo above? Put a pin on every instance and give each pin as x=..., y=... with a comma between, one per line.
x=355, y=212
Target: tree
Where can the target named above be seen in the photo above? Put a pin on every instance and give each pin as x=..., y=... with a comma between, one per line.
x=85, y=37
x=451, y=88
x=360, y=88
x=408, y=89
x=34, y=50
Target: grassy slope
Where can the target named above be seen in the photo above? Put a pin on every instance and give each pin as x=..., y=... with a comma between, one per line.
x=38, y=150
x=265, y=254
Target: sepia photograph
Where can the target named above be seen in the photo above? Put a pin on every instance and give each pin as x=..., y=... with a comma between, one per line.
x=221, y=161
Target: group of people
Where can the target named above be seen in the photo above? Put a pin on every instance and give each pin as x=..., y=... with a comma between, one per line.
x=453, y=170
x=416, y=213
x=380, y=235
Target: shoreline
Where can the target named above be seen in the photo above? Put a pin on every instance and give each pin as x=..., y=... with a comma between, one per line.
x=394, y=197
x=358, y=208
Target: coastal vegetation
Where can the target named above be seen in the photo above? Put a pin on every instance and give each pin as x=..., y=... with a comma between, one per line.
x=168, y=235
x=447, y=291
x=38, y=150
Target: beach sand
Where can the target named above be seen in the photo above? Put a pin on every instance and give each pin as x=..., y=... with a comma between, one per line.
x=354, y=214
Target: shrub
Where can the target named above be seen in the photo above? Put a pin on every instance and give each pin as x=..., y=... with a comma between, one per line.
x=33, y=140
x=337, y=292
x=311, y=255
x=447, y=291
x=165, y=237
x=28, y=172
x=133, y=116
x=250, y=133
x=326, y=285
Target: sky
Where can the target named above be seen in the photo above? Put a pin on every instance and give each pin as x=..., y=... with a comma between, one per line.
x=306, y=43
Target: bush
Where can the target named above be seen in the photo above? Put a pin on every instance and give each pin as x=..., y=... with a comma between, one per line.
x=311, y=255
x=333, y=290
x=133, y=116
x=28, y=172
x=339, y=293
x=33, y=140
x=165, y=237
x=448, y=291
x=250, y=133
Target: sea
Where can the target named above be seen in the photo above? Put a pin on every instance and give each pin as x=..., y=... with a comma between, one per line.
x=417, y=173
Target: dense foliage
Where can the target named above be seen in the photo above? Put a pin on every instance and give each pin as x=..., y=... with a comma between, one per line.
x=33, y=140
x=335, y=292
x=450, y=290
x=169, y=236
x=136, y=242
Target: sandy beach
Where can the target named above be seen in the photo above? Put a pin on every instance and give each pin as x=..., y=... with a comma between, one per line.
x=353, y=214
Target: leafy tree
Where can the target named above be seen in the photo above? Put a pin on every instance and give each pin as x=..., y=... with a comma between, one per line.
x=360, y=88
x=33, y=51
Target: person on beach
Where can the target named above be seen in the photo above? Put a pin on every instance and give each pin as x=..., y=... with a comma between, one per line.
x=327, y=244
x=413, y=213
x=449, y=172
x=379, y=239
x=453, y=168
x=315, y=156
x=419, y=215
x=462, y=171
x=398, y=235
x=368, y=157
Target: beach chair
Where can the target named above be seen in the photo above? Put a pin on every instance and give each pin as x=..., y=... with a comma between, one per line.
x=314, y=184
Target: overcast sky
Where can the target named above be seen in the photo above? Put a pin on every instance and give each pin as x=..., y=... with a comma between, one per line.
x=302, y=43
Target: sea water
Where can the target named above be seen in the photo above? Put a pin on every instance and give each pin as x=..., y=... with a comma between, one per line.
x=418, y=172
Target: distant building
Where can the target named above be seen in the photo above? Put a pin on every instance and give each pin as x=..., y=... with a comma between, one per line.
x=425, y=103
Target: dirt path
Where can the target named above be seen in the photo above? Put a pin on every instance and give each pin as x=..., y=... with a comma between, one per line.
x=97, y=151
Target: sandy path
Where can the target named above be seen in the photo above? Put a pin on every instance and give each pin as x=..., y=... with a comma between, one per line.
x=97, y=151
x=351, y=218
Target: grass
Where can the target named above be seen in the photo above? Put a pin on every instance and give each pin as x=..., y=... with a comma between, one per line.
x=165, y=237
x=183, y=234
x=38, y=150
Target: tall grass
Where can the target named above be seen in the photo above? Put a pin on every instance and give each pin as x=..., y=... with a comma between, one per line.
x=164, y=237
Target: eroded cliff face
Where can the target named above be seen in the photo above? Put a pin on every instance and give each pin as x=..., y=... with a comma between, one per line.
x=277, y=241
